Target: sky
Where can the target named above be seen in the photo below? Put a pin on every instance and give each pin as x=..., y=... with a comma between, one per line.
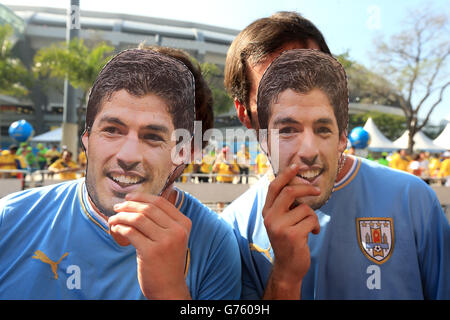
x=348, y=25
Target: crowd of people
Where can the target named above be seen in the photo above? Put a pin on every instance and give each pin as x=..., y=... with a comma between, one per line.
x=216, y=165
x=222, y=165
x=426, y=165
x=225, y=166
x=55, y=162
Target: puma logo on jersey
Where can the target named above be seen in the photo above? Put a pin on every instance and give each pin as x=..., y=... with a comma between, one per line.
x=255, y=247
x=53, y=265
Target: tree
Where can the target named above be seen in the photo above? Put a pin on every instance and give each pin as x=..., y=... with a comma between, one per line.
x=14, y=78
x=416, y=62
x=76, y=61
x=214, y=78
x=366, y=86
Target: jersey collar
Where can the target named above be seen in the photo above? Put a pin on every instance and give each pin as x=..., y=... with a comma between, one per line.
x=90, y=211
x=350, y=175
x=98, y=219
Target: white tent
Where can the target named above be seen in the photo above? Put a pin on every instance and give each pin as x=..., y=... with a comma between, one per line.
x=443, y=140
x=50, y=136
x=378, y=142
x=421, y=142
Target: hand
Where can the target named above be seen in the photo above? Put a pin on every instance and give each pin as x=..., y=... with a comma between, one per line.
x=160, y=234
x=288, y=227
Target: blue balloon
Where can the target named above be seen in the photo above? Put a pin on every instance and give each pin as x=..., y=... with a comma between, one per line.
x=21, y=130
x=359, y=138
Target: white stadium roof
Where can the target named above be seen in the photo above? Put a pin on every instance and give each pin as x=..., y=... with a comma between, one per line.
x=117, y=22
x=421, y=142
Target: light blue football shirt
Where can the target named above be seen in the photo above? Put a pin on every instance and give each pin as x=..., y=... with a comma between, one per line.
x=53, y=245
x=383, y=236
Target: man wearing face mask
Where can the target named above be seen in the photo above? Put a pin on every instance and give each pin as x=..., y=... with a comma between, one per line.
x=288, y=250
x=123, y=232
x=337, y=227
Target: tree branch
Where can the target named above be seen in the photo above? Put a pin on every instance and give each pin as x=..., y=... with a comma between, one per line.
x=433, y=77
x=441, y=94
x=417, y=60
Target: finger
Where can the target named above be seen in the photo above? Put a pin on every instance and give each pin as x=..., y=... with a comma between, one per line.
x=121, y=240
x=290, y=193
x=279, y=182
x=139, y=222
x=151, y=211
x=276, y=223
x=295, y=216
x=162, y=204
x=158, y=201
x=310, y=221
x=133, y=236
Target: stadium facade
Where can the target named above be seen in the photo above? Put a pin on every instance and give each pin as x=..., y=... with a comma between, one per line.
x=38, y=27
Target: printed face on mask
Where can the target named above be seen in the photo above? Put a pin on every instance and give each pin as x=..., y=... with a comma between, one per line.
x=128, y=149
x=308, y=135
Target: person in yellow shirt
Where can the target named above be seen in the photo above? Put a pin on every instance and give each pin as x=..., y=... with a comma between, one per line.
x=7, y=162
x=82, y=161
x=400, y=161
x=65, y=168
x=434, y=166
x=188, y=170
x=52, y=155
x=243, y=159
x=206, y=166
x=444, y=172
x=262, y=163
x=10, y=160
x=224, y=168
x=21, y=163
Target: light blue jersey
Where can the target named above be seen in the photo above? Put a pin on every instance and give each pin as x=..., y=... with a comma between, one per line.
x=53, y=245
x=383, y=236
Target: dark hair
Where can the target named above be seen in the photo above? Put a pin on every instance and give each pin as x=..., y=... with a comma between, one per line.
x=67, y=151
x=203, y=96
x=141, y=72
x=261, y=38
x=303, y=70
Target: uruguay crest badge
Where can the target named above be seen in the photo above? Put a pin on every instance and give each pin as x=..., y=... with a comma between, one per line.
x=376, y=238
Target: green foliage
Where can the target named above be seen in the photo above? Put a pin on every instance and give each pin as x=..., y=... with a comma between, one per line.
x=366, y=86
x=344, y=59
x=14, y=78
x=79, y=63
x=214, y=78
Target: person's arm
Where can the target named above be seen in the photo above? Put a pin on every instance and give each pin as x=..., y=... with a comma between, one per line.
x=160, y=234
x=73, y=167
x=288, y=228
x=432, y=231
x=234, y=168
x=55, y=167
